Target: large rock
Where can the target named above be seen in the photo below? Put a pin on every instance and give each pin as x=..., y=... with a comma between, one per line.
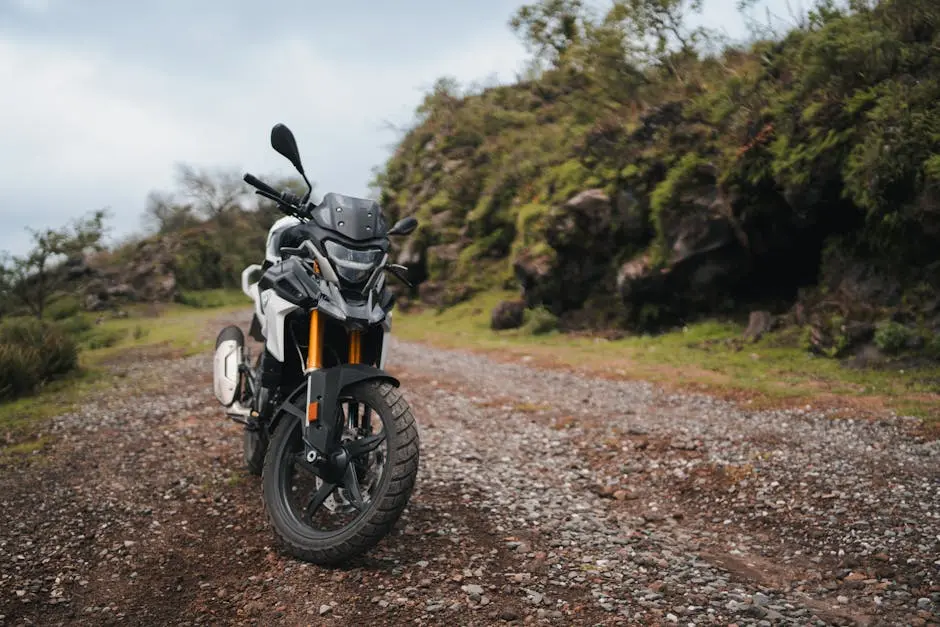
x=581, y=237
x=413, y=255
x=706, y=268
x=508, y=314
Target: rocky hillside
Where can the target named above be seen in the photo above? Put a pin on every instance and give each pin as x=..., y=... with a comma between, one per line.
x=636, y=190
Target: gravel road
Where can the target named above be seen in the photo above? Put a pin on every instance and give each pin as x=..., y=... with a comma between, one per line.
x=544, y=497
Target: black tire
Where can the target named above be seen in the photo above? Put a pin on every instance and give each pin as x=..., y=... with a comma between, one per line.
x=386, y=506
x=231, y=332
x=254, y=447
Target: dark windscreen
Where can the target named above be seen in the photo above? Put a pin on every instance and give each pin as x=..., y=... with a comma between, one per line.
x=356, y=218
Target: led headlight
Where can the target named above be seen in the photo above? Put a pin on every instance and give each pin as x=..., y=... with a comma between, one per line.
x=353, y=265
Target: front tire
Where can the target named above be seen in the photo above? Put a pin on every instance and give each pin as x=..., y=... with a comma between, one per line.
x=387, y=496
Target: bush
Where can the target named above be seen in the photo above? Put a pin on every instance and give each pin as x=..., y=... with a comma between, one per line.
x=892, y=337
x=103, y=338
x=540, y=321
x=75, y=326
x=19, y=370
x=31, y=352
x=63, y=308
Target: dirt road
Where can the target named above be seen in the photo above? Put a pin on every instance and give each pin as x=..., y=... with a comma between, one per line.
x=544, y=497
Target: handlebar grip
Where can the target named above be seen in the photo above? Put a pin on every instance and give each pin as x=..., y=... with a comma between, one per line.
x=257, y=183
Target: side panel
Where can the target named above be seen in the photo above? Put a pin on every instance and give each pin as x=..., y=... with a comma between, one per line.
x=255, y=295
x=275, y=311
x=386, y=338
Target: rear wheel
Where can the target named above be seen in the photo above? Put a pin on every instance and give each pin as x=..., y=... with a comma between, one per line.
x=254, y=445
x=327, y=520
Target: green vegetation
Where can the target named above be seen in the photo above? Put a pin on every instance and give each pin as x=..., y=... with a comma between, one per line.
x=800, y=168
x=32, y=352
x=175, y=328
x=708, y=356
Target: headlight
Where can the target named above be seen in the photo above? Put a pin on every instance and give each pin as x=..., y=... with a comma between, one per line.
x=353, y=265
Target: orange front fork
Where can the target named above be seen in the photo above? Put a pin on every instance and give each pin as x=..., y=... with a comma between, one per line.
x=355, y=347
x=314, y=359
x=315, y=356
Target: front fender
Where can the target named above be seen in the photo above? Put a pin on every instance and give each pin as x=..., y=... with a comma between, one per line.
x=325, y=387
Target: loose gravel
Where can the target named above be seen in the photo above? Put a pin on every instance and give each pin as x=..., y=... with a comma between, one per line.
x=544, y=497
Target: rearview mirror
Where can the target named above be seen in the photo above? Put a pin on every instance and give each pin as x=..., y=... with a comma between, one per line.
x=404, y=226
x=282, y=140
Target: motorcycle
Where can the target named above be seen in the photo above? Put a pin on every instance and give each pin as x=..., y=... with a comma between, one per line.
x=326, y=428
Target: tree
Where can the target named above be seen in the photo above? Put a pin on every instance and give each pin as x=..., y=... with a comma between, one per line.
x=35, y=278
x=164, y=215
x=657, y=31
x=213, y=193
x=550, y=28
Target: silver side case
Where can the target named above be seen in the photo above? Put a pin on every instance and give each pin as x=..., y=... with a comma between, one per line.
x=226, y=375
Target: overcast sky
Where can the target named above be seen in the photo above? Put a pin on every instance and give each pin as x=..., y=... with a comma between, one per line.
x=100, y=98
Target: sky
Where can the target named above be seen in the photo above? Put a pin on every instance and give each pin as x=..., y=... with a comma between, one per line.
x=99, y=99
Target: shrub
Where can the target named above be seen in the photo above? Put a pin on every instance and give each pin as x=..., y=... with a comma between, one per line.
x=58, y=353
x=19, y=370
x=75, y=326
x=103, y=338
x=31, y=352
x=892, y=337
x=539, y=321
x=63, y=308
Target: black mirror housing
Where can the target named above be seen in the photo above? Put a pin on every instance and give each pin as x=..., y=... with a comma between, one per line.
x=404, y=226
x=282, y=140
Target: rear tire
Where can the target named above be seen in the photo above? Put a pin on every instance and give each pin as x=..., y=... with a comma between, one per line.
x=254, y=446
x=386, y=505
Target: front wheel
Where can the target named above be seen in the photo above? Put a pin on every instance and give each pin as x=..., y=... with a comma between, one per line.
x=326, y=523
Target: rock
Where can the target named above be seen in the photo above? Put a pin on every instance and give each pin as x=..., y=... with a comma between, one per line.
x=413, y=255
x=759, y=323
x=580, y=236
x=472, y=589
x=122, y=290
x=508, y=614
x=508, y=314
x=325, y=609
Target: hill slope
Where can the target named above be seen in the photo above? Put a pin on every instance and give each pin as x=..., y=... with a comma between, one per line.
x=640, y=193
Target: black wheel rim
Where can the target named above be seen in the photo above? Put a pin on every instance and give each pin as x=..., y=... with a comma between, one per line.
x=319, y=508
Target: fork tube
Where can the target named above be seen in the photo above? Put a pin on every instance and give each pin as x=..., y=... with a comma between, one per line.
x=355, y=347
x=314, y=360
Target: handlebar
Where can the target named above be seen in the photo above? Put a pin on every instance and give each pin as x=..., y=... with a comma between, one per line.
x=257, y=183
x=288, y=202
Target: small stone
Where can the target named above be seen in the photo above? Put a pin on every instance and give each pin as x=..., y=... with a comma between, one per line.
x=923, y=603
x=842, y=599
x=325, y=609
x=761, y=599
x=508, y=614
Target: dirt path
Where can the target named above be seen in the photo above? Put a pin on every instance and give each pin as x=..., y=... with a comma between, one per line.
x=543, y=497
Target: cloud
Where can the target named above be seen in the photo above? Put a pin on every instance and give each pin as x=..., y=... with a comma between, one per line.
x=83, y=129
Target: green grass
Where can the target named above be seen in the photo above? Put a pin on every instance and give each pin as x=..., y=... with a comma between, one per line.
x=709, y=356
x=177, y=328
x=213, y=299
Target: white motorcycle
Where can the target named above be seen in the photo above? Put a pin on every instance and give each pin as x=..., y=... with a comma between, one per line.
x=327, y=429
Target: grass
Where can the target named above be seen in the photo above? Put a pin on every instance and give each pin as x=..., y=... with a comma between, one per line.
x=707, y=357
x=177, y=328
